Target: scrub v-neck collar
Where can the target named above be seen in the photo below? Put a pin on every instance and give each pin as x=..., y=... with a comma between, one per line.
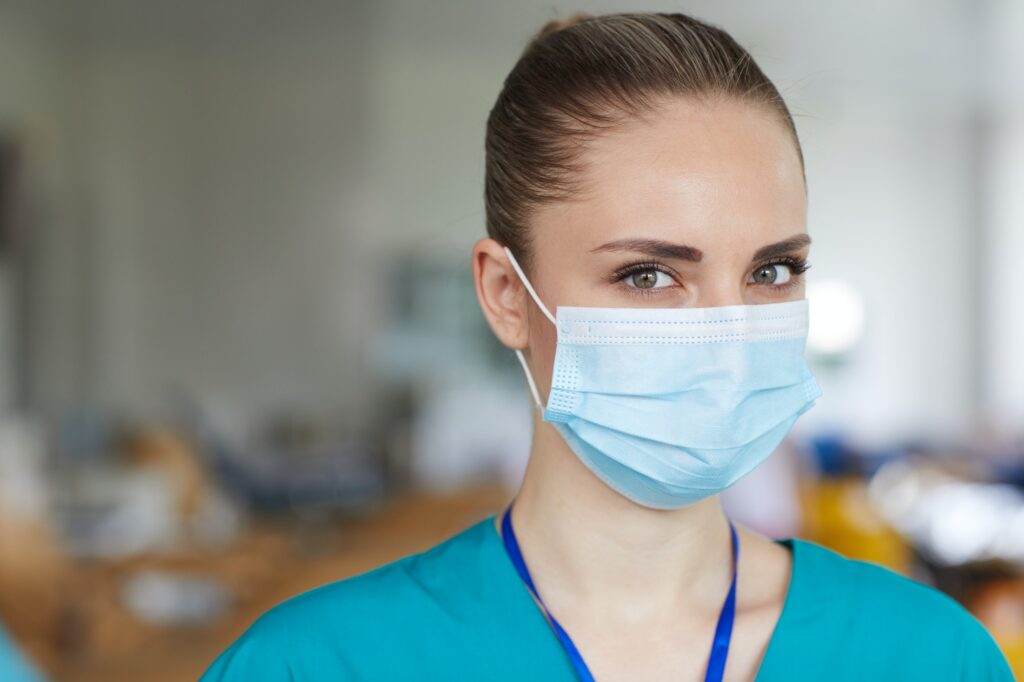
x=788, y=615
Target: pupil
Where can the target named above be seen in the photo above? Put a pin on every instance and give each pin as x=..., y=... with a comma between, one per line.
x=646, y=279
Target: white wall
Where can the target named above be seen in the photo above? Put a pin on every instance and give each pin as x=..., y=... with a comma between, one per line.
x=216, y=160
x=1004, y=245
x=31, y=69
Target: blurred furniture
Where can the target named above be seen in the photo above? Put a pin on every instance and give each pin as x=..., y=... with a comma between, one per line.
x=268, y=564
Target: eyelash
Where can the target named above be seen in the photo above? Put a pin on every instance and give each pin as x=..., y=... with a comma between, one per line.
x=797, y=266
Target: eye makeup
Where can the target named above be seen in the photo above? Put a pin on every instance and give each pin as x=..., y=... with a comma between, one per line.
x=797, y=266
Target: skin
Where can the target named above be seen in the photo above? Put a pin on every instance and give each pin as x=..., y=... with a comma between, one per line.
x=640, y=590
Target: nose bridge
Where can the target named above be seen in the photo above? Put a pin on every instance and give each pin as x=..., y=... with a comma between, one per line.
x=720, y=288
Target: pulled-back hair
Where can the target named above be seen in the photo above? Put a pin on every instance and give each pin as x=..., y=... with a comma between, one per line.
x=580, y=75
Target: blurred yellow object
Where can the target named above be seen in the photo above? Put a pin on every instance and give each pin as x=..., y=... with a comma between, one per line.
x=839, y=515
x=1000, y=606
x=1012, y=646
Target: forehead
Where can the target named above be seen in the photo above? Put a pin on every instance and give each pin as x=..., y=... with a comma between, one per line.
x=718, y=172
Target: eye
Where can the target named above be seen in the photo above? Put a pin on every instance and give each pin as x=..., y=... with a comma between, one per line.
x=648, y=278
x=774, y=274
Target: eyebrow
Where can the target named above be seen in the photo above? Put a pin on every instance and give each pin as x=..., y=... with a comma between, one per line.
x=657, y=248
x=794, y=243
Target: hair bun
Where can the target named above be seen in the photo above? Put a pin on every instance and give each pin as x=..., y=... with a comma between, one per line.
x=559, y=24
x=554, y=26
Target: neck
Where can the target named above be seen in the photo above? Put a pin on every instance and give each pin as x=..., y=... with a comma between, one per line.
x=591, y=549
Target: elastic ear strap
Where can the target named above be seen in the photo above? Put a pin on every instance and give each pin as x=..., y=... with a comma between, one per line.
x=543, y=308
x=529, y=380
x=529, y=287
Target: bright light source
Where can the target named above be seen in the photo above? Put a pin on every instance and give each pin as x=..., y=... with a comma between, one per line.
x=836, y=317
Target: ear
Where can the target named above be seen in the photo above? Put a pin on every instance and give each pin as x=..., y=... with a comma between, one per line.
x=503, y=298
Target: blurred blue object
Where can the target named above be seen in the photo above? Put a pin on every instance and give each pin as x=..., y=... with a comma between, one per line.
x=830, y=454
x=834, y=454
x=13, y=666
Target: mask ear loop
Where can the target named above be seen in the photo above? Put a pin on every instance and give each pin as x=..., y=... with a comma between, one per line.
x=529, y=287
x=543, y=309
x=529, y=380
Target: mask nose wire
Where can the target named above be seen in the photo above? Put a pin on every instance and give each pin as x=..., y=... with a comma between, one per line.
x=543, y=309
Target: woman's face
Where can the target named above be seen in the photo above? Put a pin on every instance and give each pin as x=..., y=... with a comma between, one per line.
x=699, y=204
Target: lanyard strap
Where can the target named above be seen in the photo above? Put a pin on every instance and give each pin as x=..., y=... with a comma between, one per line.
x=723, y=631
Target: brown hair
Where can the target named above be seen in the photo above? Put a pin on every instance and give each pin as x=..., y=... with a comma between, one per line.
x=585, y=73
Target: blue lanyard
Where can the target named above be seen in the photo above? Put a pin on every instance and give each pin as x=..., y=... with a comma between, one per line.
x=723, y=631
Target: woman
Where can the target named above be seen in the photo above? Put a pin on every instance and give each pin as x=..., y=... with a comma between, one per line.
x=646, y=208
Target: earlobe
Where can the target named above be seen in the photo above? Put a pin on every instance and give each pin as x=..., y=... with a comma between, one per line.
x=501, y=296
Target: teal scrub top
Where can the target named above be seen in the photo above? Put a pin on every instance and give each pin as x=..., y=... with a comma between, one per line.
x=459, y=611
x=13, y=666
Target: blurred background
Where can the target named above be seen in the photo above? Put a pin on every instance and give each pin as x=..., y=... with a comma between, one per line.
x=241, y=356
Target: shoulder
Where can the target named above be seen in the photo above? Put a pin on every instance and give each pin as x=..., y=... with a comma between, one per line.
x=881, y=619
x=869, y=592
x=365, y=615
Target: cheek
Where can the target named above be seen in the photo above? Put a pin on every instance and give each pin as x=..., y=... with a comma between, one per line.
x=543, y=340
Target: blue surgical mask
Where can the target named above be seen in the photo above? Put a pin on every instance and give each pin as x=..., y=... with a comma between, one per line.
x=670, y=405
